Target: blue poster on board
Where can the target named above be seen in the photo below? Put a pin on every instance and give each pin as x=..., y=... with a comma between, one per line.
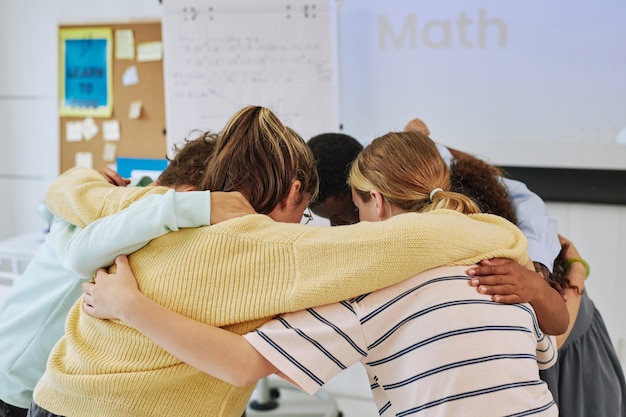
x=86, y=73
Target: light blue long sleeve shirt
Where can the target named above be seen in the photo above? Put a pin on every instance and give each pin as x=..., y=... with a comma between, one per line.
x=540, y=229
x=32, y=318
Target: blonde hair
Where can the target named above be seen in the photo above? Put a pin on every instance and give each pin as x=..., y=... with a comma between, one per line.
x=405, y=167
x=260, y=157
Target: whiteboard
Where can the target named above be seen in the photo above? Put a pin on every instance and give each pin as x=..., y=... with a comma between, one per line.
x=222, y=55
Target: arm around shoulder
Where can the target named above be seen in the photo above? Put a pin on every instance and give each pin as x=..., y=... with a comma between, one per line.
x=215, y=351
x=81, y=196
x=83, y=251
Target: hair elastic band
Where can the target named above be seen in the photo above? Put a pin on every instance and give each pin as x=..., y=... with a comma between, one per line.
x=433, y=192
x=580, y=260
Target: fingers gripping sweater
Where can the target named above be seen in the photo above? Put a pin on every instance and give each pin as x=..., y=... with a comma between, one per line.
x=238, y=274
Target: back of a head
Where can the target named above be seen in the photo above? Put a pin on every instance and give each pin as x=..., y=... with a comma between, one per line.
x=190, y=163
x=334, y=152
x=482, y=183
x=407, y=169
x=260, y=157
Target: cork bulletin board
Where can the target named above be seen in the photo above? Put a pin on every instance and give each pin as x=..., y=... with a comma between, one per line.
x=111, y=93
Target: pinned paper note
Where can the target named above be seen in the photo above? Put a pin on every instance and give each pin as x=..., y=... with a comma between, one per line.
x=74, y=131
x=131, y=76
x=109, y=152
x=90, y=128
x=111, y=130
x=83, y=159
x=150, y=51
x=135, y=109
x=124, y=44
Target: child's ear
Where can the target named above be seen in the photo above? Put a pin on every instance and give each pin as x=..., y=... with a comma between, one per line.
x=381, y=208
x=295, y=196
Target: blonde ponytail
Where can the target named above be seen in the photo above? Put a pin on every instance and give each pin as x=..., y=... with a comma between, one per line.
x=409, y=172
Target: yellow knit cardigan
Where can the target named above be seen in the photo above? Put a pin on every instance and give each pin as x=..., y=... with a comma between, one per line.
x=237, y=275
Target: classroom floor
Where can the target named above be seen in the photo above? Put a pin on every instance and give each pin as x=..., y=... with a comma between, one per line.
x=356, y=407
x=295, y=403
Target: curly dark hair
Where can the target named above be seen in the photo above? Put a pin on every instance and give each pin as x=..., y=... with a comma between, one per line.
x=481, y=182
x=559, y=273
x=190, y=162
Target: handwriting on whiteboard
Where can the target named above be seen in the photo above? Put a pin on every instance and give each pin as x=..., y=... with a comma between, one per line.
x=268, y=53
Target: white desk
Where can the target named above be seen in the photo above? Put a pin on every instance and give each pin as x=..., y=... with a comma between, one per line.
x=15, y=254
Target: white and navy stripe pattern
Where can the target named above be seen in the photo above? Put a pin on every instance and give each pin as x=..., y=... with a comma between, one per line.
x=431, y=345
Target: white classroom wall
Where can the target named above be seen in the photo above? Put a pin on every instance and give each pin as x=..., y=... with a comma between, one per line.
x=29, y=152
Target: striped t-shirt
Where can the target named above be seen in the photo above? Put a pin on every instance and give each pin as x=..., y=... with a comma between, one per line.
x=431, y=345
